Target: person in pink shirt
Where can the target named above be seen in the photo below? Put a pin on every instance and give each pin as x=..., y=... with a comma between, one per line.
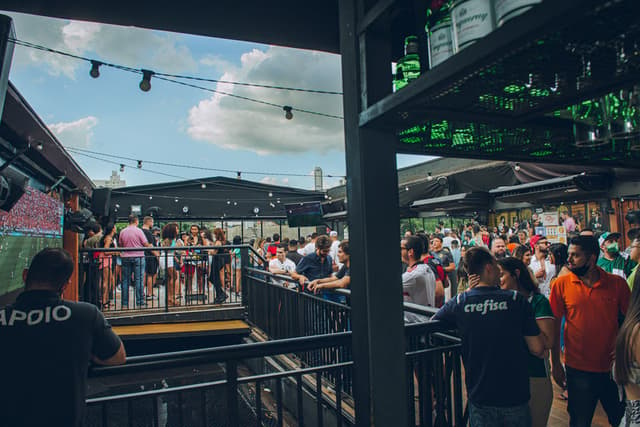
x=568, y=222
x=132, y=261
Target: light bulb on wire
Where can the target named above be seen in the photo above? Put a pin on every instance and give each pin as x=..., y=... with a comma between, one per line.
x=121, y=167
x=139, y=164
x=288, y=113
x=517, y=167
x=145, y=83
x=429, y=177
x=203, y=186
x=95, y=69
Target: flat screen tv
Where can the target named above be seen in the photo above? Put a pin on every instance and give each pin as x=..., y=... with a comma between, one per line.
x=304, y=214
x=35, y=222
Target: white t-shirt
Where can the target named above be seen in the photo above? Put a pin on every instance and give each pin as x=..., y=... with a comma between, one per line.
x=544, y=283
x=287, y=266
x=309, y=249
x=334, y=253
x=446, y=242
x=418, y=287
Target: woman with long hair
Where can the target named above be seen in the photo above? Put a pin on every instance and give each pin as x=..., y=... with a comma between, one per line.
x=106, y=265
x=626, y=369
x=217, y=273
x=236, y=264
x=169, y=262
x=524, y=254
x=258, y=247
x=515, y=276
x=558, y=256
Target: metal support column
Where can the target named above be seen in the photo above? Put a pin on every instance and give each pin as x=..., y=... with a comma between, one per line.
x=372, y=190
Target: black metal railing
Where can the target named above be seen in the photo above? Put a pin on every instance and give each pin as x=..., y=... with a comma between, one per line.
x=233, y=398
x=273, y=395
x=163, y=277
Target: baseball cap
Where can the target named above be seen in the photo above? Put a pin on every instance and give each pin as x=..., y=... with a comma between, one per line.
x=333, y=234
x=535, y=239
x=608, y=236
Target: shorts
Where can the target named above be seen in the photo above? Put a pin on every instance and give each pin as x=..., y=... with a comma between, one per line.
x=236, y=263
x=151, y=265
x=168, y=260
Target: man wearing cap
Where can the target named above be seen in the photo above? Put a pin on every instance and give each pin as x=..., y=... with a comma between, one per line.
x=612, y=260
x=540, y=264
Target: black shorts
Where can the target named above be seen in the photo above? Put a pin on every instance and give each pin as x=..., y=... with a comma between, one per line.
x=151, y=265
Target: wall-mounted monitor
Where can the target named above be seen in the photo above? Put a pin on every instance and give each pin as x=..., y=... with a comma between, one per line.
x=304, y=214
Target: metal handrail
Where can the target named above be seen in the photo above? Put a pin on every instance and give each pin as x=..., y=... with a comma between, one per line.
x=218, y=354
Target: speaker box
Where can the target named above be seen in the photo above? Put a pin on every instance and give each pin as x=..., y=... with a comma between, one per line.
x=100, y=202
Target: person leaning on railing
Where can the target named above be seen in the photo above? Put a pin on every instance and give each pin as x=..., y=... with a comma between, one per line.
x=341, y=280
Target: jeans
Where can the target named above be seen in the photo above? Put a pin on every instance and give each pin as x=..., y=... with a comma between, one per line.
x=584, y=390
x=492, y=416
x=135, y=265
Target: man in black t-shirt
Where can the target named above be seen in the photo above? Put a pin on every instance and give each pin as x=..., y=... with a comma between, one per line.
x=47, y=344
x=151, y=262
x=292, y=253
x=498, y=331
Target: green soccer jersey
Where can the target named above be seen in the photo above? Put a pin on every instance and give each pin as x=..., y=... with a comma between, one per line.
x=541, y=310
x=618, y=266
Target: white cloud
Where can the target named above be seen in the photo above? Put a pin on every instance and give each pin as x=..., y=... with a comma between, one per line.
x=269, y=180
x=77, y=134
x=243, y=125
x=129, y=46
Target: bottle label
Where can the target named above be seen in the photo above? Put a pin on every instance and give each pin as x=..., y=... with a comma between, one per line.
x=440, y=44
x=506, y=7
x=473, y=20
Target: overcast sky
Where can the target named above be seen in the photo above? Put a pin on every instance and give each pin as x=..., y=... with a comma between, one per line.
x=177, y=124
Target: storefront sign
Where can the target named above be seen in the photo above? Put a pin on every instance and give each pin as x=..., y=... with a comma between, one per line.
x=549, y=218
x=556, y=234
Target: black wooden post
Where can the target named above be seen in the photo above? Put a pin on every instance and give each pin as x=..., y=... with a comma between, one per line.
x=372, y=190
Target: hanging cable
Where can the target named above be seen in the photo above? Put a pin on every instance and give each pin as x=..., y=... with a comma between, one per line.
x=179, y=165
x=177, y=76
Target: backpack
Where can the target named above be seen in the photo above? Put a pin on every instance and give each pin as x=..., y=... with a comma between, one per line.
x=436, y=266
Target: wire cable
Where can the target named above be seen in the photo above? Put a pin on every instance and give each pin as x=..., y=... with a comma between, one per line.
x=177, y=76
x=84, y=151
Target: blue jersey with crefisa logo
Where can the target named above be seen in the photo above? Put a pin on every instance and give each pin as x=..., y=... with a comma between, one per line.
x=492, y=324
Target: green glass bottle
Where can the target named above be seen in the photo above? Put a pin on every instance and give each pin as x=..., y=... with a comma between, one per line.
x=410, y=62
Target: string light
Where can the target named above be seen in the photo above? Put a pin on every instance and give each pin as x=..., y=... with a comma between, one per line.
x=270, y=194
x=95, y=69
x=517, y=167
x=429, y=177
x=203, y=186
x=287, y=112
x=139, y=164
x=83, y=151
x=145, y=83
x=121, y=167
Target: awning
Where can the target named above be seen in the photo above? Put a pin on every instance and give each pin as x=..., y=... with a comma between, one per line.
x=573, y=187
x=456, y=202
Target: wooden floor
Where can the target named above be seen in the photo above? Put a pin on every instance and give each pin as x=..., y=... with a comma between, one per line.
x=559, y=416
x=183, y=329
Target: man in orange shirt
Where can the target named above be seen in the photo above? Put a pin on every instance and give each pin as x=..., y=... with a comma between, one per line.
x=593, y=302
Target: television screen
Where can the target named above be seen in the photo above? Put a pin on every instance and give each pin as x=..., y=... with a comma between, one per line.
x=34, y=223
x=304, y=214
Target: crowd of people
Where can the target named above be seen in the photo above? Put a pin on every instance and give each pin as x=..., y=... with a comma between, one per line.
x=190, y=263
x=529, y=311
x=34, y=213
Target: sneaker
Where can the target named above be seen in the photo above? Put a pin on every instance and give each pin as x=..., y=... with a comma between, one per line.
x=149, y=298
x=220, y=298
